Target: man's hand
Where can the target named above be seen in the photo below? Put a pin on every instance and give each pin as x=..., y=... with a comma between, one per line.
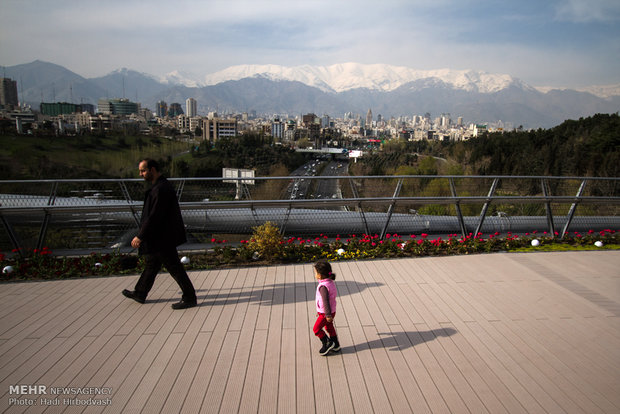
x=135, y=243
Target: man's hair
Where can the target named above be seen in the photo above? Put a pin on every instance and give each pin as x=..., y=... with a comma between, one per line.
x=151, y=163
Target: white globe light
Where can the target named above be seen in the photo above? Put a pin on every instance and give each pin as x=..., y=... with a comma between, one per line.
x=185, y=260
x=535, y=242
x=598, y=243
x=340, y=251
x=7, y=270
x=98, y=264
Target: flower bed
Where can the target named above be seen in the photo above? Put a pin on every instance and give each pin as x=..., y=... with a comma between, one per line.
x=267, y=247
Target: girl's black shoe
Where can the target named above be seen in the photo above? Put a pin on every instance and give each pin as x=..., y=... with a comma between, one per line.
x=328, y=345
x=336, y=347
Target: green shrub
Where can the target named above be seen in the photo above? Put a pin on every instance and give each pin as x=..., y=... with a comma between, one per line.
x=266, y=241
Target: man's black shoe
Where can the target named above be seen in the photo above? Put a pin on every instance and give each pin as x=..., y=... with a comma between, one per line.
x=131, y=294
x=183, y=305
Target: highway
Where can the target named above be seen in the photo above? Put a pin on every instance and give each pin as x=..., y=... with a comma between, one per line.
x=300, y=188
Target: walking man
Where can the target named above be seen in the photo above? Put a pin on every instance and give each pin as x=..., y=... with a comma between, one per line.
x=161, y=231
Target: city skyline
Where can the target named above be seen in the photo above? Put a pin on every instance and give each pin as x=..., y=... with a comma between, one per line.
x=564, y=44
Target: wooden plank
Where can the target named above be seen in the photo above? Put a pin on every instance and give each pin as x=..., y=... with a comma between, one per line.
x=239, y=369
x=213, y=397
x=269, y=389
x=287, y=393
x=304, y=338
x=180, y=391
x=139, y=385
x=252, y=386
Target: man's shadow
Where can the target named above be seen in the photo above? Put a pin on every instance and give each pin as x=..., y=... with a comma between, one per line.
x=275, y=294
x=399, y=341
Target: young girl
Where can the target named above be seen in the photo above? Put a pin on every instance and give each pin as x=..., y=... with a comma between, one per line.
x=326, y=293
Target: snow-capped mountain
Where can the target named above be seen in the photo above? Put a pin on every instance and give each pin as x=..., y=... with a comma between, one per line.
x=270, y=89
x=346, y=76
x=177, y=77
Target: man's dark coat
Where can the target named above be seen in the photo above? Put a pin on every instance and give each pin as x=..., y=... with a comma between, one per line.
x=161, y=224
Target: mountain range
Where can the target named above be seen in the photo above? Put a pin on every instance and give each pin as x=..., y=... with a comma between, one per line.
x=334, y=90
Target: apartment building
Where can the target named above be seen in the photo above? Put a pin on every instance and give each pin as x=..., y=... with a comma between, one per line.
x=216, y=128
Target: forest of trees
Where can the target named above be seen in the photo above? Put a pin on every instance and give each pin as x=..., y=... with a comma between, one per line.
x=586, y=147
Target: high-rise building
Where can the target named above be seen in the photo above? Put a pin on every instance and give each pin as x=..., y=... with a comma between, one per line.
x=191, y=107
x=58, y=108
x=277, y=128
x=214, y=129
x=162, y=109
x=121, y=106
x=325, y=121
x=369, y=119
x=175, y=110
x=8, y=92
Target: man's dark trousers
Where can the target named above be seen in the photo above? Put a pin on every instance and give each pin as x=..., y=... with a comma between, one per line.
x=169, y=258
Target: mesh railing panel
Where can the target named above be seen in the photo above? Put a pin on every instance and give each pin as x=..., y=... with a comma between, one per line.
x=102, y=214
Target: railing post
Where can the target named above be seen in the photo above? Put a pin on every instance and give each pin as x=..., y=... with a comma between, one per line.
x=12, y=236
x=364, y=221
x=399, y=185
x=286, y=217
x=545, y=190
x=180, y=189
x=125, y=192
x=457, y=206
x=359, y=206
x=573, y=207
x=46, y=217
x=485, y=207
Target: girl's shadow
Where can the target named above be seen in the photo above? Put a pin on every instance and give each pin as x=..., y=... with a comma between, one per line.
x=399, y=341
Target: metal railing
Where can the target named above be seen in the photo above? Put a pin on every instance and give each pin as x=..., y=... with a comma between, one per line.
x=97, y=215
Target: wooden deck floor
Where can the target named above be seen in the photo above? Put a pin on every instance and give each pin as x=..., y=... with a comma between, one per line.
x=498, y=333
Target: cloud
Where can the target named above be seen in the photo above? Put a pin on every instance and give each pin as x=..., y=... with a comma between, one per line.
x=93, y=37
x=588, y=11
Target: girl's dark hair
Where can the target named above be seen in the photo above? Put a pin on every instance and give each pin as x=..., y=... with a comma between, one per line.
x=325, y=269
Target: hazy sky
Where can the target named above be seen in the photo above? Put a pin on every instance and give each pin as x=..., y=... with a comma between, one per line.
x=560, y=43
